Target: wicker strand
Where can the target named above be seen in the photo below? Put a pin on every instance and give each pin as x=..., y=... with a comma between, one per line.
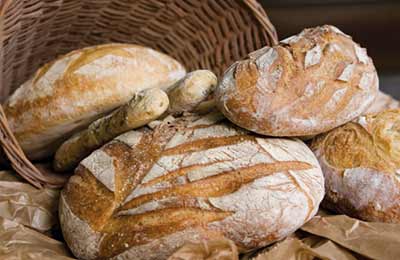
x=262, y=17
x=205, y=34
x=21, y=164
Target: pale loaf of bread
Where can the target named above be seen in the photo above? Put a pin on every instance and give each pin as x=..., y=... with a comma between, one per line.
x=361, y=165
x=146, y=193
x=69, y=93
x=306, y=85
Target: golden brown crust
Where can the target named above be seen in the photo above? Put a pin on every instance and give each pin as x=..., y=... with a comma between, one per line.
x=67, y=94
x=309, y=84
x=360, y=161
x=207, y=177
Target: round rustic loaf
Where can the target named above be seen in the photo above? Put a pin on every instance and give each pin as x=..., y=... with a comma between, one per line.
x=149, y=191
x=69, y=93
x=361, y=165
x=306, y=85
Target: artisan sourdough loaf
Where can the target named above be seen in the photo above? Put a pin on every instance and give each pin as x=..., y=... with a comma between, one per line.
x=81, y=86
x=361, y=164
x=306, y=85
x=150, y=190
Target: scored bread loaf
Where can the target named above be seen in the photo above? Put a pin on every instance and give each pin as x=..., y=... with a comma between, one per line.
x=361, y=164
x=69, y=93
x=149, y=191
x=306, y=85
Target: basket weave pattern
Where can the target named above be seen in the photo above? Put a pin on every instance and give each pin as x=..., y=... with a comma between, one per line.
x=207, y=34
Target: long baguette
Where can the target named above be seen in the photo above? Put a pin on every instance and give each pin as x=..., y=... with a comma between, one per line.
x=143, y=108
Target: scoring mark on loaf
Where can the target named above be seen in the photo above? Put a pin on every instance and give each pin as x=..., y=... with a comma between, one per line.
x=313, y=56
x=361, y=54
x=170, y=173
x=271, y=201
x=108, y=65
x=167, y=164
x=346, y=73
x=101, y=165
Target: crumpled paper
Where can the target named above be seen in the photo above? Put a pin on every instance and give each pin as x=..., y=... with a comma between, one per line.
x=292, y=248
x=373, y=240
x=21, y=202
x=18, y=242
x=222, y=249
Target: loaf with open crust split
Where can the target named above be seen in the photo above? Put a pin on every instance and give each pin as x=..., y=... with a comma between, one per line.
x=308, y=84
x=65, y=95
x=147, y=192
x=361, y=165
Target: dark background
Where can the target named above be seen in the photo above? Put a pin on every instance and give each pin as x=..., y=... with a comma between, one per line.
x=375, y=24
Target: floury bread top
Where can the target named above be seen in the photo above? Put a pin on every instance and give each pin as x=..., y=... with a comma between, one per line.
x=150, y=190
x=81, y=86
x=306, y=85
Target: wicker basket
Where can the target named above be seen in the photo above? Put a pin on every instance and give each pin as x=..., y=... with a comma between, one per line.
x=199, y=33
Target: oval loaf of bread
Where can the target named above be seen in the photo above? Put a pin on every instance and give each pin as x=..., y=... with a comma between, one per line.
x=361, y=164
x=306, y=85
x=69, y=93
x=150, y=190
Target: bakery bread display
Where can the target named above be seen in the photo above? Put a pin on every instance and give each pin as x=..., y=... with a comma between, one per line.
x=382, y=102
x=144, y=107
x=149, y=191
x=64, y=96
x=361, y=162
x=308, y=84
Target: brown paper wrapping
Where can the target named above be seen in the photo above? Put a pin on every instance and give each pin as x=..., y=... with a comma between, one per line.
x=293, y=248
x=24, y=204
x=222, y=249
x=18, y=242
x=372, y=240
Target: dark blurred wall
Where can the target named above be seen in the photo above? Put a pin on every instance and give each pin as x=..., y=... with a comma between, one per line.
x=372, y=23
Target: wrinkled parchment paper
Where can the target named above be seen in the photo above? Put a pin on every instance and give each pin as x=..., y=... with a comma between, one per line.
x=222, y=249
x=24, y=204
x=18, y=242
x=373, y=240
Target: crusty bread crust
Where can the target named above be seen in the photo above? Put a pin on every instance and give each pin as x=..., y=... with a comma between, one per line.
x=67, y=94
x=150, y=190
x=306, y=85
x=382, y=102
x=361, y=162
